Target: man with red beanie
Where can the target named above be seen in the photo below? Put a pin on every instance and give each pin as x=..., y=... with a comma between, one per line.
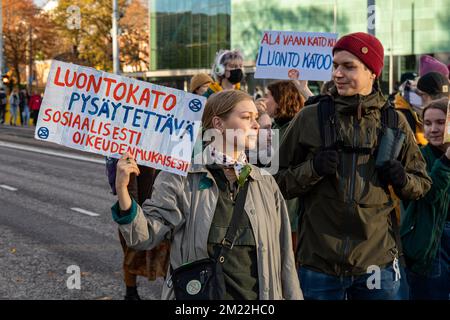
x=347, y=246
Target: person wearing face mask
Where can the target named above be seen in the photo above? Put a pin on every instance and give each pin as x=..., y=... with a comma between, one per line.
x=348, y=222
x=227, y=72
x=425, y=229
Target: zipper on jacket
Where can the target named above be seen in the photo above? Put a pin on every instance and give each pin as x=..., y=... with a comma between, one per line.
x=351, y=194
x=344, y=271
x=365, y=171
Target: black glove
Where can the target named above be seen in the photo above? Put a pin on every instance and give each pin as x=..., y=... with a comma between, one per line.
x=326, y=162
x=393, y=172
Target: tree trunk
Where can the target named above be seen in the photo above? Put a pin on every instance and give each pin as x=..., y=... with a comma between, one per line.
x=17, y=72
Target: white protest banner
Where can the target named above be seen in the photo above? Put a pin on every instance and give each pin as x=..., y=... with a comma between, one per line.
x=295, y=55
x=107, y=114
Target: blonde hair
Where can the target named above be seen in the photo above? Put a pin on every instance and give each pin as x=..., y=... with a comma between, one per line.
x=221, y=104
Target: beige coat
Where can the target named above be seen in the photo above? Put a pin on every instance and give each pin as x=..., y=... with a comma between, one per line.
x=179, y=210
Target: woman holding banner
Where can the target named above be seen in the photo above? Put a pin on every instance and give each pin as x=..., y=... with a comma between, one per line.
x=426, y=227
x=223, y=192
x=227, y=72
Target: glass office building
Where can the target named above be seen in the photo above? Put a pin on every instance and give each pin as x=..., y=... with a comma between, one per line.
x=184, y=37
x=186, y=34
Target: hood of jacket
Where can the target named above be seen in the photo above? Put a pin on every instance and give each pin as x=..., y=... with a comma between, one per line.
x=349, y=104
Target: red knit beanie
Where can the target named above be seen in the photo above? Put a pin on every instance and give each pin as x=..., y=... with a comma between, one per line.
x=366, y=47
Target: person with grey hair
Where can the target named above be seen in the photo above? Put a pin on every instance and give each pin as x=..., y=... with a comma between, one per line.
x=227, y=71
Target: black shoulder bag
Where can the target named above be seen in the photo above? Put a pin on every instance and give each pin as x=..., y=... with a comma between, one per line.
x=203, y=279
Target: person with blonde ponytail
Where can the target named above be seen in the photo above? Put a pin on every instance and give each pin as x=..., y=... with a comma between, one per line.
x=195, y=211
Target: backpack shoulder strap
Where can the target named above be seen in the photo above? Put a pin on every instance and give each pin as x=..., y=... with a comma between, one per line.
x=410, y=117
x=326, y=113
x=389, y=117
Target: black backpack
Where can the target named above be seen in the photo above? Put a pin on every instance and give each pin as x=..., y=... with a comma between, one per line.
x=327, y=120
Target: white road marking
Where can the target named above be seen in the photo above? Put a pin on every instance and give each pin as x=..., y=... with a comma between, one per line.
x=4, y=186
x=89, y=213
x=48, y=152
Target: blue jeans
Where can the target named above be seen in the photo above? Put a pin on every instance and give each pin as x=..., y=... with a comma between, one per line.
x=26, y=116
x=321, y=286
x=13, y=110
x=435, y=286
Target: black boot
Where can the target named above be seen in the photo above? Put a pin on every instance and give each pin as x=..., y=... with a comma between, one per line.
x=132, y=294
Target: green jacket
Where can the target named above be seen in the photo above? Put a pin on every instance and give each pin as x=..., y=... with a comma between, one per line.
x=346, y=224
x=424, y=219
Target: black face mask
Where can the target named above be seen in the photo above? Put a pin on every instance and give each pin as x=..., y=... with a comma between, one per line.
x=235, y=76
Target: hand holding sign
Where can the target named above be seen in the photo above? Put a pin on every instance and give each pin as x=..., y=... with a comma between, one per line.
x=125, y=167
x=302, y=86
x=293, y=74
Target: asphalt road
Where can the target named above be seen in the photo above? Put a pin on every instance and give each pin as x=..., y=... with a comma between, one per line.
x=55, y=213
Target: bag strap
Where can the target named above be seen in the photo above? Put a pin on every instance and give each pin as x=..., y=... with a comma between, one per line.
x=326, y=113
x=230, y=237
x=236, y=219
x=389, y=117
